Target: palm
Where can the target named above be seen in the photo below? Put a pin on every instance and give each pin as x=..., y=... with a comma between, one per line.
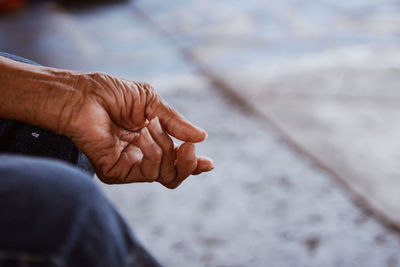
x=106, y=144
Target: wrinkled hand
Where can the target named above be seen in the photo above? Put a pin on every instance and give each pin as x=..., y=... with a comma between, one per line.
x=123, y=127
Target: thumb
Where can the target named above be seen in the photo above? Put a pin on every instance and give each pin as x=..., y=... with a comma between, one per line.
x=174, y=123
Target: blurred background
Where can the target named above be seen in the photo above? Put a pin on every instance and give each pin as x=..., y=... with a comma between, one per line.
x=301, y=102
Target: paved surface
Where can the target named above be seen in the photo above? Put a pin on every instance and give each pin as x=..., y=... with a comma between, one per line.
x=264, y=204
x=325, y=72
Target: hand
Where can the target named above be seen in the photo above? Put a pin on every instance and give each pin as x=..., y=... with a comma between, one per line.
x=123, y=127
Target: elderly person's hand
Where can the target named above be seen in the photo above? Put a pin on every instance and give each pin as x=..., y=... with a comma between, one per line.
x=123, y=127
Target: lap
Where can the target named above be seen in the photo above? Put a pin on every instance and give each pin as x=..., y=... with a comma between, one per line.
x=54, y=213
x=42, y=201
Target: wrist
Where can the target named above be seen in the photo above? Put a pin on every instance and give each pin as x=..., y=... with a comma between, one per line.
x=60, y=102
x=36, y=95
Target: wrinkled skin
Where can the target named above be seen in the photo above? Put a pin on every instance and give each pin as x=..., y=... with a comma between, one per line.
x=124, y=128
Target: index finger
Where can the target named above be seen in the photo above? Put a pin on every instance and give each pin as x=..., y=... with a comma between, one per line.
x=173, y=122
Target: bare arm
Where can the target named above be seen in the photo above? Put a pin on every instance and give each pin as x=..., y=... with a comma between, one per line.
x=34, y=94
x=121, y=125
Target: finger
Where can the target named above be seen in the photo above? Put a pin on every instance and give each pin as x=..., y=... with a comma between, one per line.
x=186, y=163
x=129, y=164
x=121, y=172
x=167, y=168
x=173, y=122
x=138, y=111
x=204, y=164
x=152, y=154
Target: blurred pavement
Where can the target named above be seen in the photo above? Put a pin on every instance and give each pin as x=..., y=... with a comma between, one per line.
x=295, y=96
x=326, y=73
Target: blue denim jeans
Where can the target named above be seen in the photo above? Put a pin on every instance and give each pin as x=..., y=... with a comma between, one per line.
x=51, y=212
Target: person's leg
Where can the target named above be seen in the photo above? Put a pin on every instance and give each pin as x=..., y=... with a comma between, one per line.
x=52, y=215
x=21, y=138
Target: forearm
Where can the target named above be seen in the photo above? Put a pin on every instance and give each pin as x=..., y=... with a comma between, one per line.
x=36, y=95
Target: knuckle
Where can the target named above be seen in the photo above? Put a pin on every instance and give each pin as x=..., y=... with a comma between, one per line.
x=175, y=183
x=147, y=88
x=108, y=179
x=150, y=174
x=153, y=152
x=168, y=144
x=155, y=157
x=171, y=186
x=101, y=74
x=109, y=175
x=98, y=75
x=156, y=153
x=153, y=177
x=167, y=179
x=169, y=175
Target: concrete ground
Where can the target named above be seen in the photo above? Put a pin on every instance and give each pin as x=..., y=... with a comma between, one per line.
x=296, y=98
x=326, y=73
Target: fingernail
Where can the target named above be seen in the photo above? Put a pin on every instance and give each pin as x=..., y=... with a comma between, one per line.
x=210, y=169
x=155, y=124
x=205, y=134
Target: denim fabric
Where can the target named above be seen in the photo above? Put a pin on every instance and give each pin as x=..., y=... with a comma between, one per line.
x=52, y=214
x=21, y=138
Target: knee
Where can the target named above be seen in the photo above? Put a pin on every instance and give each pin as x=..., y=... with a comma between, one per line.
x=39, y=196
x=28, y=178
x=50, y=207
